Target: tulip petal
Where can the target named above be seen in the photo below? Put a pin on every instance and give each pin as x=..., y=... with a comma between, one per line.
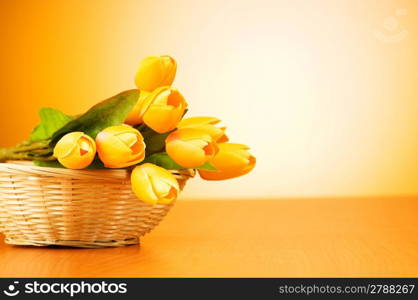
x=198, y=121
x=190, y=147
x=75, y=150
x=186, y=154
x=154, y=72
x=154, y=184
x=142, y=186
x=188, y=134
x=223, y=175
x=170, y=197
x=169, y=64
x=223, y=138
x=67, y=144
x=166, y=108
x=231, y=161
x=160, y=187
x=164, y=184
x=120, y=146
x=162, y=118
x=128, y=138
x=206, y=124
x=84, y=146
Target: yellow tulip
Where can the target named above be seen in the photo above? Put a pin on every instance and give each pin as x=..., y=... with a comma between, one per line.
x=164, y=109
x=231, y=161
x=190, y=147
x=75, y=150
x=154, y=72
x=206, y=124
x=154, y=184
x=136, y=114
x=120, y=146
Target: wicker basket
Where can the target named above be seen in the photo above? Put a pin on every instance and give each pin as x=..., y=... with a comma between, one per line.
x=79, y=208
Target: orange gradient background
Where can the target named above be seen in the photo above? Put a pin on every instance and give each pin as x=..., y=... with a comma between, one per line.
x=329, y=107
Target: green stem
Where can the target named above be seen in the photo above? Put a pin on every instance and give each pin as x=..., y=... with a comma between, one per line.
x=31, y=147
x=27, y=151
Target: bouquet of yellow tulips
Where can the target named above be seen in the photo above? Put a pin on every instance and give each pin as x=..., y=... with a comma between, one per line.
x=142, y=129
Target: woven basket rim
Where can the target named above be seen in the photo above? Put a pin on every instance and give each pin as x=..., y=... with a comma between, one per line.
x=27, y=167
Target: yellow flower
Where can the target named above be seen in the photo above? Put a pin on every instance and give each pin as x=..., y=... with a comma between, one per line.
x=154, y=184
x=190, y=147
x=231, y=161
x=163, y=109
x=154, y=72
x=120, y=146
x=75, y=150
x=206, y=124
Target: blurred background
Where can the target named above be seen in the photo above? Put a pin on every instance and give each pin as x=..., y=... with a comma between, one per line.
x=325, y=92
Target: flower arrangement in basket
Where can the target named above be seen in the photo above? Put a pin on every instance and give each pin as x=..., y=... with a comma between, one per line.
x=108, y=176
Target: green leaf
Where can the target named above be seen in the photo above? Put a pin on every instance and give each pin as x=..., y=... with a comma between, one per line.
x=207, y=166
x=51, y=121
x=163, y=160
x=155, y=141
x=110, y=112
x=96, y=164
x=48, y=164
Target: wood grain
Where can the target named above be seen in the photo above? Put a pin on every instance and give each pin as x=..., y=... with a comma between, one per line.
x=263, y=238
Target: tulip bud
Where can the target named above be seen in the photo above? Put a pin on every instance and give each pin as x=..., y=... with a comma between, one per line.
x=206, y=124
x=75, y=150
x=190, y=147
x=120, y=146
x=154, y=184
x=231, y=161
x=166, y=107
x=154, y=72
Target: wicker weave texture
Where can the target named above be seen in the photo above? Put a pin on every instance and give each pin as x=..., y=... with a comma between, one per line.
x=78, y=208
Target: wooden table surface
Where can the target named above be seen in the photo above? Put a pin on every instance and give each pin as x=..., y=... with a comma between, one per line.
x=268, y=238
